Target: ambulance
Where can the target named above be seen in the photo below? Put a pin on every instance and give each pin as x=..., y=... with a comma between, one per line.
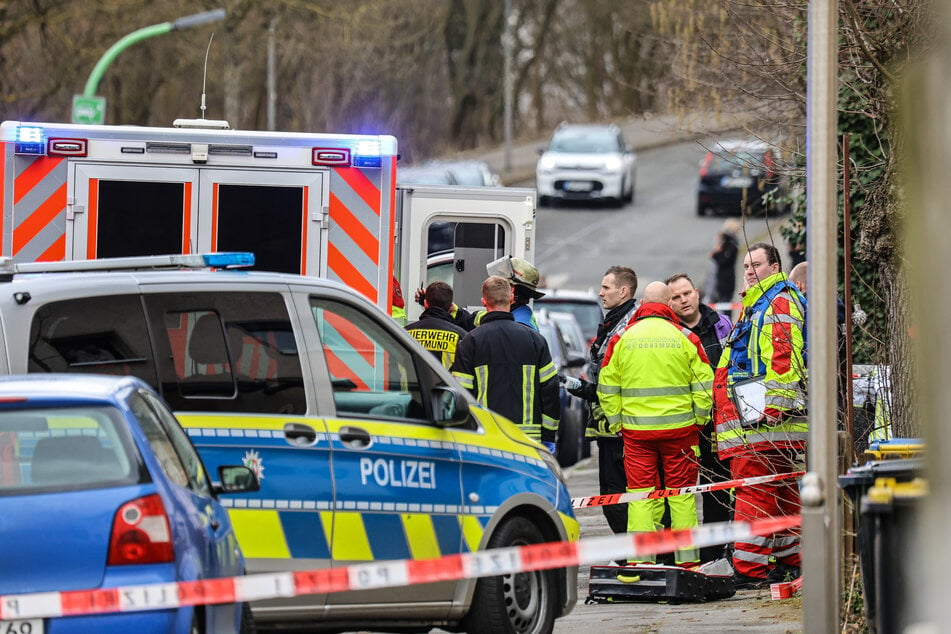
x=323, y=205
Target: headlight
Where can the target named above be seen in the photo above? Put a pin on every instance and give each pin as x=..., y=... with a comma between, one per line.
x=546, y=162
x=552, y=464
x=612, y=163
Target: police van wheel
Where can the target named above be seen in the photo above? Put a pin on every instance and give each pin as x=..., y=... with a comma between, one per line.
x=522, y=603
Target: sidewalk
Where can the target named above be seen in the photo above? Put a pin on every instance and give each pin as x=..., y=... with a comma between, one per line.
x=746, y=611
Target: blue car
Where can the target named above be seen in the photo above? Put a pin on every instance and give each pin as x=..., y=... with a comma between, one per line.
x=99, y=488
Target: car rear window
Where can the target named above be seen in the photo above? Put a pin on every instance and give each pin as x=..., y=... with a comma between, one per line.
x=65, y=448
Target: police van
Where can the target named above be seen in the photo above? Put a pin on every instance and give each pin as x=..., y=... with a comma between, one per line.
x=365, y=447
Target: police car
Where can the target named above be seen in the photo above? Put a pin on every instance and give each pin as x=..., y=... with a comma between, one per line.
x=365, y=447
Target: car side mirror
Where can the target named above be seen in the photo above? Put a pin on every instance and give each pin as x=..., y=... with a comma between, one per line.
x=541, y=151
x=236, y=479
x=450, y=407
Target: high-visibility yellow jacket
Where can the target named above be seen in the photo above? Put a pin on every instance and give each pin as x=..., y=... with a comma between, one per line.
x=656, y=379
x=768, y=342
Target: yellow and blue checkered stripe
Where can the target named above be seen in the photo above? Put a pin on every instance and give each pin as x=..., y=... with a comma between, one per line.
x=298, y=524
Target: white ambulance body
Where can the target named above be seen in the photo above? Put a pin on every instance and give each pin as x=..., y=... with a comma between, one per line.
x=323, y=205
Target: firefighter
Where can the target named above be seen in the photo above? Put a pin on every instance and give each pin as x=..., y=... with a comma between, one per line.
x=435, y=329
x=524, y=278
x=655, y=387
x=767, y=347
x=617, y=294
x=508, y=367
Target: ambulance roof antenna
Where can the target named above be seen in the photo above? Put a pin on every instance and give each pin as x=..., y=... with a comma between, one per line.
x=204, y=75
x=213, y=124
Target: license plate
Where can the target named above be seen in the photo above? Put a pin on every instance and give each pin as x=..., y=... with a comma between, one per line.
x=577, y=186
x=736, y=181
x=22, y=626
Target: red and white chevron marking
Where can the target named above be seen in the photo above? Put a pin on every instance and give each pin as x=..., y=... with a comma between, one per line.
x=487, y=563
x=621, y=498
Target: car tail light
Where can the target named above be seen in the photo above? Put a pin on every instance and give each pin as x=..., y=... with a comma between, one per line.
x=705, y=166
x=141, y=533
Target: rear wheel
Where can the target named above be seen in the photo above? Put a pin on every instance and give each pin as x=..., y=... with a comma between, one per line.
x=522, y=603
x=570, y=436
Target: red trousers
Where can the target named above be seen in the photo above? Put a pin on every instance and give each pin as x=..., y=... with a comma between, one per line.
x=773, y=499
x=676, y=457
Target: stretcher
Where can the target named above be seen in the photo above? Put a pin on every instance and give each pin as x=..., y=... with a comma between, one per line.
x=669, y=584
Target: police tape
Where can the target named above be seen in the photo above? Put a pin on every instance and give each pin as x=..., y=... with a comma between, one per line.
x=485, y=563
x=621, y=498
x=726, y=306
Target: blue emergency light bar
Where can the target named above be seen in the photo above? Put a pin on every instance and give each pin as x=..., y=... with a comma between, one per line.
x=29, y=141
x=228, y=260
x=368, y=153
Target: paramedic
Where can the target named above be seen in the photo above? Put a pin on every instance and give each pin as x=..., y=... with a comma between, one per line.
x=767, y=343
x=655, y=387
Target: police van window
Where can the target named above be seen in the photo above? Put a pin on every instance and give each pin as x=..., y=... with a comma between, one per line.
x=265, y=220
x=372, y=373
x=139, y=218
x=227, y=351
x=100, y=335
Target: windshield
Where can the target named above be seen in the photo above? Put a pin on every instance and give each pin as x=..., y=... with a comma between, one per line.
x=584, y=142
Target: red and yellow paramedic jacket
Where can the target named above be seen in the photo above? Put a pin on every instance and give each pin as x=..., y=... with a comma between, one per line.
x=656, y=379
x=767, y=341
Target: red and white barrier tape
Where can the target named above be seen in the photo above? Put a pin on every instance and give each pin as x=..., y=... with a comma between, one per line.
x=486, y=563
x=785, y=590
x=726, y=306
x=620, y=498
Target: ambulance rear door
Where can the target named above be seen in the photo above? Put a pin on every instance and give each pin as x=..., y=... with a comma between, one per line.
x=451, y=233
x=127, y=210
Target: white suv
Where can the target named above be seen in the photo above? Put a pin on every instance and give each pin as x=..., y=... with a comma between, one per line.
x=586, y=162
x=365, y=446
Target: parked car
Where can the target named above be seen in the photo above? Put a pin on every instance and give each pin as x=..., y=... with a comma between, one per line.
x=584, y=305
x=99, y=488
x=586, y=162
x=565, y=343
x=367, y=449
x=424, y=175
x=469, y=172
x=740, y=178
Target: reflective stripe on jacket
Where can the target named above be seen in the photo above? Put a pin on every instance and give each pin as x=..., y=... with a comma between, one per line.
x=767, y=341
x=656, y=379
x=509, y=370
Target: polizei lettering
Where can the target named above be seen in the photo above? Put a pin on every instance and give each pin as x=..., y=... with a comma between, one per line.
x=411, y=474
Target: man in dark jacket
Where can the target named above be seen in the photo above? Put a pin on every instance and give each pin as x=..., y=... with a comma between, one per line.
x=508, y=367
x=712, y=328
x=617, y=295
x=436, y=330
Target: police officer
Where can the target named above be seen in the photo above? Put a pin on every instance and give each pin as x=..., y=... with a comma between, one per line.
x=435, y=329
x=508, y=367
x=617, y=296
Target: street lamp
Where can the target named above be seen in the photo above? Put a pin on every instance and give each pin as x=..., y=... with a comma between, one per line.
x=91, y=108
